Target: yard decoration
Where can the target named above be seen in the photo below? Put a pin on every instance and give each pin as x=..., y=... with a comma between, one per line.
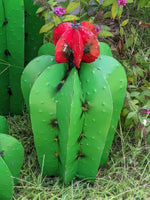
x=74, y=110
x=17, y=21
x=11, y=159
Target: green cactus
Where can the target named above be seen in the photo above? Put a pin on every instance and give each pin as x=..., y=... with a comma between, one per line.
x=33, y=40
x=11, y=159
x=74, y=113
x=12, y=52
x=16, y=23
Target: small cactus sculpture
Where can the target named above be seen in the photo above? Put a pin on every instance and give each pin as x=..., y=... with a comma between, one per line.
x=74, y=110
x=11, y=158
x=16, y=23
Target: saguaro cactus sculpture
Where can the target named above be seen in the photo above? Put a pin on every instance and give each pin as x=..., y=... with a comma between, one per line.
x=16, y=25
x=74, y=106
x=11, y=158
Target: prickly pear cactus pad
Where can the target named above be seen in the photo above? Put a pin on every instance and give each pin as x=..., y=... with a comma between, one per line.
x=74, y=104
x=11, y=159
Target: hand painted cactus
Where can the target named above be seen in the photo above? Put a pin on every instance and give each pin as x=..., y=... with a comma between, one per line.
x=12, y=19
x=74, y=111
x=11, y=159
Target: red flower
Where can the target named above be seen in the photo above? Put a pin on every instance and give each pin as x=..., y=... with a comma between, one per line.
x=75, y=43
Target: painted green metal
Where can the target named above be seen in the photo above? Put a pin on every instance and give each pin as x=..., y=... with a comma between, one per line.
x=13, y=15
x=69, y=112
x=105, y=49
x=6, y=182
x=115, y=76
x=43, y=117
x=12, y=153
x=4, y=74
x=74, y=113
x=11, y=159
x=32, y=71
x=47, y=49
x=33, y=40
x=12, y=26
x=3, y=125
x=97, y=119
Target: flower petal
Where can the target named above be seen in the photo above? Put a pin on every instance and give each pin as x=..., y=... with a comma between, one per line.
x=91, y=50
x=90, y=27
x=63, y=51
x=59, y=30
x=77, y=48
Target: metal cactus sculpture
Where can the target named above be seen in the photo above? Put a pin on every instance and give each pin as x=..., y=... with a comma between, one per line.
x=74, y=105
x=11, y=159
x=18, y=28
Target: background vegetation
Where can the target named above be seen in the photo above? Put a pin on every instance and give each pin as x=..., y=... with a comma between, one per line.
x=127, y=173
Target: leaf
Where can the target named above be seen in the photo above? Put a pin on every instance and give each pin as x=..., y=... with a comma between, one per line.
x=47, y=27
x=107, y=2
x=105, y=28
x=125, y=22
x=132, y=114
x=107, y=15
x=129, y=42
x=56, y=19
x=121, y=31
x=105, y=33
x=114, y=10
x=129, y=1
x=72, y=6
x=39, y=10
x=70, y=18
x=120, y=10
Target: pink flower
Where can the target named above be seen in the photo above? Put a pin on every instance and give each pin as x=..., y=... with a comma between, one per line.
x=121, y=3
x=98, y=29
x=59, y=11
x=148, y=111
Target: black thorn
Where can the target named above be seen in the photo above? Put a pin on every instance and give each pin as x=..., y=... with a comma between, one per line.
x=56, y=139
x=59, y=159
x=7, y=53
x=26, y=35
x=5, y=22
x=25, y=14
x=54, y=123
x=2, y=154
x=80, y=137
x=9, y=90
x=59, y=86
x=80, y=155
x=84, y=109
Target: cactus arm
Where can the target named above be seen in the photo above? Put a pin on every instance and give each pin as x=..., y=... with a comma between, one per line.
x=105, y=49
x=31, y=72
x=44, y=124
x=3, y=125
x=4, y=72
x=12, y=153
x=14, y=11
x=69, y=109
x=6, y=182
x=33, y=40
x=47, y=49
x=97, y=120
x=115, y=75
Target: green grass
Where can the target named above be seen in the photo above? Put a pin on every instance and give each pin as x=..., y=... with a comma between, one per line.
x=126, y=175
